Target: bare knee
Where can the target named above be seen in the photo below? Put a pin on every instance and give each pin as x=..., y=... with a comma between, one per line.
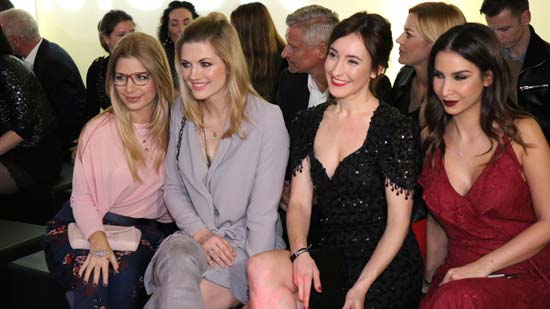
x=261, y=268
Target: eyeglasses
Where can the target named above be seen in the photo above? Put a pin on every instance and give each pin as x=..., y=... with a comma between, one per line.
x=139, y=78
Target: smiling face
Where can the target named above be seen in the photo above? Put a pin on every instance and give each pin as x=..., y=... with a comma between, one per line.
x=138, y=100
x=458, y=83
x=203, y=71
x=120, y=30
x=301, y=57
x=349, y=68
x=178, y=19
x=414, y=50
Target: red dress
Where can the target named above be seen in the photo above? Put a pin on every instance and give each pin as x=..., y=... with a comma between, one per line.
x=497, y=207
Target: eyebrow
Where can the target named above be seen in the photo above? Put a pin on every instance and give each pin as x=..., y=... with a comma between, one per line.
x=504, y=28
x=141, y=72
x=460, y=72
x=203, y=59
x=178, y=19
x=346, y=56
x=454, y=73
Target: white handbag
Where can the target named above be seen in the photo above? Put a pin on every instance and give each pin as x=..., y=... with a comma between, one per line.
x=120, y=238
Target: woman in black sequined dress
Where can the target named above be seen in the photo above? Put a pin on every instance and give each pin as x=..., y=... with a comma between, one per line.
x=29, y=151
x=361, y=157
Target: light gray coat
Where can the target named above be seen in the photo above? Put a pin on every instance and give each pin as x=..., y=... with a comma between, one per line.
x=238, y=196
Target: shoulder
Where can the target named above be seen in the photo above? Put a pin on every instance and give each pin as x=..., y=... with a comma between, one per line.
x=308, y=117
x=99, y=127
x=390, y=121
x=530, y=131
x=99, y=61
x=10, y=64
x=55, y=54
x=292, y=79
x=96, y=65
x=177, y=106
x=391, y=116
x=262, y=112
x=406, y=73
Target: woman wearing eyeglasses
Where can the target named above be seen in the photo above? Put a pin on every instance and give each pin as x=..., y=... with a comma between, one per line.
x=118, y=178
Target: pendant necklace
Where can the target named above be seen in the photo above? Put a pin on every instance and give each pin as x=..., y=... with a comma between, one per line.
x=215, y=135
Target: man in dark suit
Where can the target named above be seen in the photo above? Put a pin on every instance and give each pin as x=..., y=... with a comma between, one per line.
x=304, y=83
x=56, y=71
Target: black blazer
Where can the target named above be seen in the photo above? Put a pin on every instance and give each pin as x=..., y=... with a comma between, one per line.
x=62, y=83
x=292, y=94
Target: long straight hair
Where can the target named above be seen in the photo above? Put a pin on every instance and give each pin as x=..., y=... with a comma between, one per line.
x=261, y=44
x=477, y=44
x=148, y=51
x=216, y=30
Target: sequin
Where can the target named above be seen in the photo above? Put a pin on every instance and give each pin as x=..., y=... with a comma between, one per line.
x=353, y=202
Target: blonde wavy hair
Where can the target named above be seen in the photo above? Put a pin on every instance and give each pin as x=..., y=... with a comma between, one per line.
x=215, y=29
x=435, y=18
x=148, y=51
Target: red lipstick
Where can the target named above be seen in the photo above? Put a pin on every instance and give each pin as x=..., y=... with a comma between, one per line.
x=450, y=103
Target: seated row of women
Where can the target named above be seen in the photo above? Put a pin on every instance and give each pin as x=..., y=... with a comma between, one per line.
x=211, y=165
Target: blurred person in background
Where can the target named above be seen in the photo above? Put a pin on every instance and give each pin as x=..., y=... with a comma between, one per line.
x=262, y=47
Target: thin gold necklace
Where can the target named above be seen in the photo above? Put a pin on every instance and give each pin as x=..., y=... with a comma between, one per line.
x=208, y=159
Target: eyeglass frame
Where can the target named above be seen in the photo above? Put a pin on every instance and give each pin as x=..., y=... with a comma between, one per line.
x=133, y=77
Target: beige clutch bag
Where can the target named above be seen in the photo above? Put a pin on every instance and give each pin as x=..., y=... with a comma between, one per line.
x=121, y=238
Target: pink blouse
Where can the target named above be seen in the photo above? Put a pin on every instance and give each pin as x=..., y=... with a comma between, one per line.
x=102, y=181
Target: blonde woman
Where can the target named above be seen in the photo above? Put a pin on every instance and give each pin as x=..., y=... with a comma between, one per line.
x=118, y=179
x=425, y=23
x=225, y=167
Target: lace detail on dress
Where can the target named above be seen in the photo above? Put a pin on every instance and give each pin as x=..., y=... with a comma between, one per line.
x=352, y=203
x=401, y=161
x=302, y=135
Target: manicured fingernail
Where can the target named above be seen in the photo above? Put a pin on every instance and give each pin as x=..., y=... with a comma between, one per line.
x=85, y=282
x=104, y=285
x=95, y=285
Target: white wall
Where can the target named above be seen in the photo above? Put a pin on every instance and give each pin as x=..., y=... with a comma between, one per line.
x=73, y=23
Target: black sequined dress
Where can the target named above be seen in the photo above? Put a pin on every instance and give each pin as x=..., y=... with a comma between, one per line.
x=24, y=109
x=353, y=203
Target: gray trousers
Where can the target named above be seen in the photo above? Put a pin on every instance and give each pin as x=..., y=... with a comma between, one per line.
x=175, y=273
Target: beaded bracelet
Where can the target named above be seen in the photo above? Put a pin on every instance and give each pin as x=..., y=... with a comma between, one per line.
x=100, y=253
x=298, y=252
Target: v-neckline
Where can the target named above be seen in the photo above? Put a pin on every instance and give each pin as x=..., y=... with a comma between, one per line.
x=367, y=134
x=476, y=181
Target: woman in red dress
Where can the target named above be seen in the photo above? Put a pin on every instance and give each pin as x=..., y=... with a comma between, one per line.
x=486, y=179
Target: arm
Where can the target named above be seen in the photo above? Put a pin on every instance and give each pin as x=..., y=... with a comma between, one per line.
x=92, y=97
x=536, y=169
x=436, y=247
x=8, y=141
x=65, y=91
x=85, y=204
x=176, y=195
x=261, y=214
x=397, y=225
x=297, y=222
x=25, y=99
x=401, y=169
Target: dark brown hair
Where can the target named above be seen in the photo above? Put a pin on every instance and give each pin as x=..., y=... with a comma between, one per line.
x=163, y=26
x=477, y=44
x=107, y=24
